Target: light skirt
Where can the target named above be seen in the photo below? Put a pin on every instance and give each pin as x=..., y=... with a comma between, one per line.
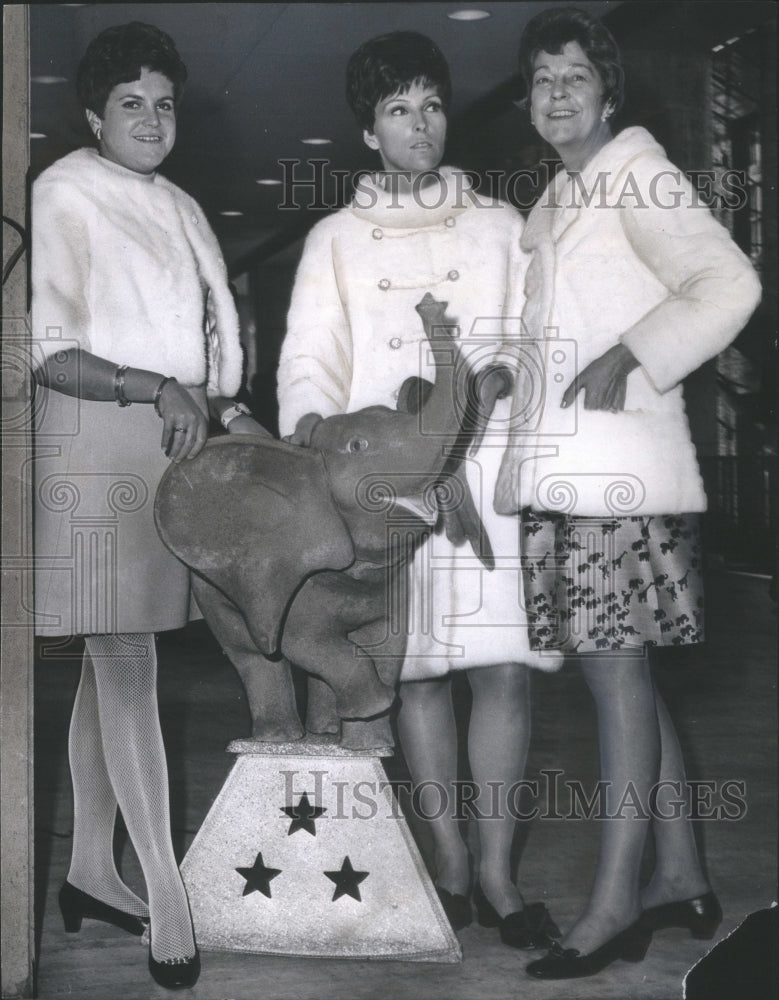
x=100, y=566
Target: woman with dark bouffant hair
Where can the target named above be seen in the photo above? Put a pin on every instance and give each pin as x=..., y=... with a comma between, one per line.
x=135, y=339
x=644, y=286
x=353, y=337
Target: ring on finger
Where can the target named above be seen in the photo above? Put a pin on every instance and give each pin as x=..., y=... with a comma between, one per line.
x=179, y=430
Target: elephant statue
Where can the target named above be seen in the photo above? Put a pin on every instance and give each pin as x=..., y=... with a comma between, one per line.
x=300, y=551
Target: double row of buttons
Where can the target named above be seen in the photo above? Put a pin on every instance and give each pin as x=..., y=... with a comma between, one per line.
x=450, y=222
x=385, y=284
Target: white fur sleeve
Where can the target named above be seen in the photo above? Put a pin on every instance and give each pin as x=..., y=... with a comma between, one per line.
x=712, y=286
x=60, y=271
x=315, y=367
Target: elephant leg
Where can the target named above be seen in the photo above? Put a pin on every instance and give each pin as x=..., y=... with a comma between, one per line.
x=321, y=714
x=387, y=647
x=367, y=734
x=315, y=637
x=268, y=683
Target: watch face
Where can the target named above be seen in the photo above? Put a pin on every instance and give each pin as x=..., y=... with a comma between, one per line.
x=236, y=410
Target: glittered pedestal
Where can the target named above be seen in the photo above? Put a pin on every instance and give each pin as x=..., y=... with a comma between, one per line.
x=305, y=852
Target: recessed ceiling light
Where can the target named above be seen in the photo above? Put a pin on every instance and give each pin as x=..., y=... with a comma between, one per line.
x=230, y=212
x=317, y=142
x=48, y=79
x=468, y=14
x=38, y=135
x=268, y=181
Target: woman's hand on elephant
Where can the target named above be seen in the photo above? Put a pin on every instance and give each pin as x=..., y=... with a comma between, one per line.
x=302, y=433
x=185, y=426
x=604, y=381
x=247, y=425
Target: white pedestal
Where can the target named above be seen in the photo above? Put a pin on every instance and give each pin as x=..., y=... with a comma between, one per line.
x=305, y=852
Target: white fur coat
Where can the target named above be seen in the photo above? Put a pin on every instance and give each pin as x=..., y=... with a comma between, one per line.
x=625, y=254
x=354, y=336
x=126, y=266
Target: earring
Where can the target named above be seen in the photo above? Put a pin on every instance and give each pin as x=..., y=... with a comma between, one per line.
x=606, y=113
x=98, y=133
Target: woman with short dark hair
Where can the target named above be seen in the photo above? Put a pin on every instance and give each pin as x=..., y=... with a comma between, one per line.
x=135, y=338
x=632, y=281
x=353, y=337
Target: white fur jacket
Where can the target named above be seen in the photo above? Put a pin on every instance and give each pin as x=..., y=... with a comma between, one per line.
x=126, y=266
x=626, y=254
x=353, y=334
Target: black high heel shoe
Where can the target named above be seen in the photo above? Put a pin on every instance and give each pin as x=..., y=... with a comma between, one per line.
x=701, y=916
x=568, y=963
x=531, y=927
x=457, y=908
x=175, y=973
x=75, y=905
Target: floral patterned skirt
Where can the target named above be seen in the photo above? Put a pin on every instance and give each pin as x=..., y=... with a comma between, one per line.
x=594, y=584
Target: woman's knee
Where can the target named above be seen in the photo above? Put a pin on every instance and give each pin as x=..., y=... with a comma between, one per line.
x=503, y=681
x=426, y=695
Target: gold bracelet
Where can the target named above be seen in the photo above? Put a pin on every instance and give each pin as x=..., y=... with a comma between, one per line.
x=158, y=393
x=119, y=395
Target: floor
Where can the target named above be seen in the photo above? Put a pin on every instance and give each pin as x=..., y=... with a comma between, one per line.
x=722, y=696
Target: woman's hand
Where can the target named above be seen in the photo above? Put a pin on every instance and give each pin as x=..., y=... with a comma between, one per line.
x=247, y=425
x=185, y=426
x=303, y=430
x=604, y=381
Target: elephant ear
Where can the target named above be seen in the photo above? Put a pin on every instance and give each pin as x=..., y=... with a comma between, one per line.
x=413, y=394
x=254, y=516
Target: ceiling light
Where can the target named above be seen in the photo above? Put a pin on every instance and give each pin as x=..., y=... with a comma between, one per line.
x=317, y=142
x=48, y=79
x=268, y=181
x=230, y=212
x=468, y=14
x=38, y=135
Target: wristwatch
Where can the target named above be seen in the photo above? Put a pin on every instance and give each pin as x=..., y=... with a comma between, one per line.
x=236, y=410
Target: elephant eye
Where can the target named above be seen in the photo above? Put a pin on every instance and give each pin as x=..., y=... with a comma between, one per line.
x=357, y=444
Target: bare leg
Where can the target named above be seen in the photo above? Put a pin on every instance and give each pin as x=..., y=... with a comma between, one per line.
x=428, y=735
x=498, y=740
x=126, y=673
x=92, y=865
x=629, y=740
x=678, y=874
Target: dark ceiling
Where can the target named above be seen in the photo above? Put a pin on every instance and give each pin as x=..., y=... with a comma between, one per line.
x=265, y=76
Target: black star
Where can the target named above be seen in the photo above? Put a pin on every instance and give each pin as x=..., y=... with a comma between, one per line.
x=346, y=881
x=258, y=877
x=303, y=815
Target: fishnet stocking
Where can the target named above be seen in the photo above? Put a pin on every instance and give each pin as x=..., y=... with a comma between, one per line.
x=125, y=670
x=92, y=865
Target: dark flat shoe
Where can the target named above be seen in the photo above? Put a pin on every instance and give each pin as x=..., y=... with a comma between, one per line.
x=76, y=904
x=701, y=916
x=531, y=927
x=568, y=963
x=457, y=908
x=175, y=973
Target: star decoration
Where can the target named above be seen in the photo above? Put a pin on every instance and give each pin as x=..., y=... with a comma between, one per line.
x=258, y=877
x=346, y=881
x=303, y=816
